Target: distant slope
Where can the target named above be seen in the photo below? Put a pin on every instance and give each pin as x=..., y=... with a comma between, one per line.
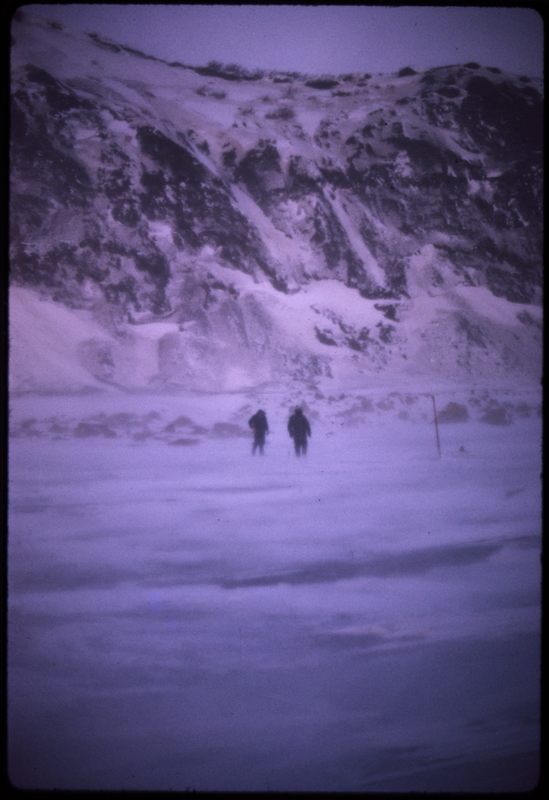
x=212, y=198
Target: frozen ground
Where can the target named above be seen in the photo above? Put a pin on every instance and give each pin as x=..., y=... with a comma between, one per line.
x=183, y=615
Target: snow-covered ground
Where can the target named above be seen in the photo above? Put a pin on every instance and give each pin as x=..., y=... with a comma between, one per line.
x=184, y=615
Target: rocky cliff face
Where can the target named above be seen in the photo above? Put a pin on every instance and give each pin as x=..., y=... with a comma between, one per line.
x=143, y=187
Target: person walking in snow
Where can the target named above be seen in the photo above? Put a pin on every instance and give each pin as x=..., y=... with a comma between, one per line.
x=258, y=423
x=299, y=429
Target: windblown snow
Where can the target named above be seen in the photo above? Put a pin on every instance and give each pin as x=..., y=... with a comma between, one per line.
x=192, y=244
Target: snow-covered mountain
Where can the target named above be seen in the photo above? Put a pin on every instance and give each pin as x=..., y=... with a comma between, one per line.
x=216, y=228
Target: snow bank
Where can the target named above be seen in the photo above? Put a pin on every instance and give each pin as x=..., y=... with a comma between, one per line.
x=43, y=344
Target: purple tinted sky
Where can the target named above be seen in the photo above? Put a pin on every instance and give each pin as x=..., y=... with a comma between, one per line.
x=319, y=39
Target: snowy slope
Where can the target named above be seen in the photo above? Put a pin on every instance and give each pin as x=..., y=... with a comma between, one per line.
x=54, y=348
x=210, y=228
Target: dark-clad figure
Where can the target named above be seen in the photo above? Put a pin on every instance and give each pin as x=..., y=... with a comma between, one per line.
x=299, y=429
x=258, y=423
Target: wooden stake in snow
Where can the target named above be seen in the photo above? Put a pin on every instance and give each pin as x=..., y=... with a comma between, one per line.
x=436, y=423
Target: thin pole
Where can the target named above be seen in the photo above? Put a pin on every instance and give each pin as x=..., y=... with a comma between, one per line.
x=436, y=423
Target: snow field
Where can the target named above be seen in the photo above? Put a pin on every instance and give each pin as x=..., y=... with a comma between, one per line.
x=195, y=617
